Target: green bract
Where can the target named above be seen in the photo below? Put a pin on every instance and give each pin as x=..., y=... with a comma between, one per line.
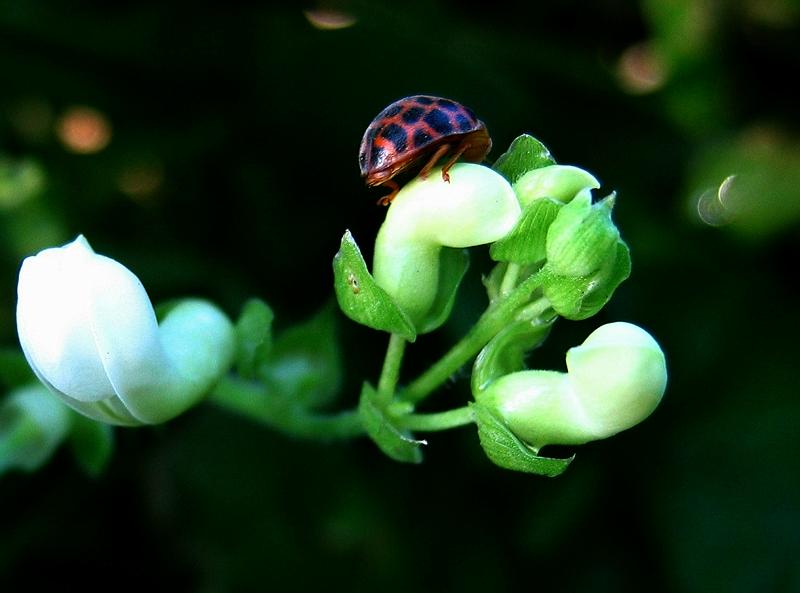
x=477, y=206
x=524, y=154
x=582, y=237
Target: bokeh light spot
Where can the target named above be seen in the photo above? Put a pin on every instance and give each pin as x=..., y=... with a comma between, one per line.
x=328, y=19
x=641, y=69
x=83, y=130
x=140, y=182
x=715, y=205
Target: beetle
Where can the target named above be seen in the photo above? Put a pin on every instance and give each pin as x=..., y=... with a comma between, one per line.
x=416, y=129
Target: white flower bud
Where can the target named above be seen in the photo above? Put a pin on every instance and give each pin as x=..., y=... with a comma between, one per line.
x=558, y=182
x=90, y=334
x=477, y=206
x=615, y=379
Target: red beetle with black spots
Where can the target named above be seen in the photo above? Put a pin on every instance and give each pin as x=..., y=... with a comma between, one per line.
x=416, y=129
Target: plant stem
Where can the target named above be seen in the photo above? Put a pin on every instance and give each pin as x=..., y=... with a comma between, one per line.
x=391, y=369
x=438, y=421
x=252, y=401
x=509, y=279
x=490, y=323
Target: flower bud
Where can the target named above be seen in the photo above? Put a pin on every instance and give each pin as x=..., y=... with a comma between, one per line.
x=615, y=379
x=476, y=207
x=582, y=237
x=559, y=182
x=89, y=332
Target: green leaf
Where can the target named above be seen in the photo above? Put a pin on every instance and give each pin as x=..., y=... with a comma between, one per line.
x=526, y=242
x=505, y=450
x=304, y=365
x=453, y=264
x=253, y=336
x=91, y=443
x=506, y=352
x=397, y=444
x=360, y=297
x=583, y=296
x=524, y=154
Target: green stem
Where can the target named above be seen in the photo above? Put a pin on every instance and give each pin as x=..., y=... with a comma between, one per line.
x=390, y=373
x=252, y=401
x=496, y=317
x=509, y=279
x=536, y=309
x=437, y=421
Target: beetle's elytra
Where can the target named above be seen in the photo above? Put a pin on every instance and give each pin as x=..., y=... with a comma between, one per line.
x=416, y=129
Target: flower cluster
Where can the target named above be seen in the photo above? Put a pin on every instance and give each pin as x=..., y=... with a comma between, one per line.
x=91, y=335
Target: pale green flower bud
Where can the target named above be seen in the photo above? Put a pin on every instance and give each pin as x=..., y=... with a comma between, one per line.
x=559, y=182
x=89, y=332
x=582, y=237
x=477, y=206
x=32, y=426
x=615, y=379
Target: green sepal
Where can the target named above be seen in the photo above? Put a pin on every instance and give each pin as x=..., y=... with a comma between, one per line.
x=583, y=296
x=360, y=297
x=304, y=366
x=526, y=243
x=505, y=450
x=253, y=337
x=583, y=237
x=91, y=443
x=397, y=444
x=453, y=264
x=506, y=352
x=524, y=154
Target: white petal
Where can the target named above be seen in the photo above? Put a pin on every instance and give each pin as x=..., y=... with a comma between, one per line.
x=52, y=321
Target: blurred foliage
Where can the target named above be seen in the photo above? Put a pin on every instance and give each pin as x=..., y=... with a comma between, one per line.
x=196, y=142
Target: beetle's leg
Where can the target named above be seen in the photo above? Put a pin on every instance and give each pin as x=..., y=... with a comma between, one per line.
x=452, y=160
x=387, y=199
x=440, y=152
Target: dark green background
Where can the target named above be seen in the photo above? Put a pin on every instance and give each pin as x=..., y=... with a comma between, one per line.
x=253, y=117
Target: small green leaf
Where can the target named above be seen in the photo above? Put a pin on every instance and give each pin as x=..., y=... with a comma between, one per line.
x=506, y=352
x=505, y=450
x=304, y=365
x=253, y=336
x=526, y=242
x=91, y=443
x=397, y=444
x=359, y=296
x=453, y=264
x=524, y=154
x=583, y=296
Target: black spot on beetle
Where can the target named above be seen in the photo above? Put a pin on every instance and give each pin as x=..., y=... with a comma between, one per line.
x=412, y=115
x=421, y=138
x=463, y=122
x=423, y=100
x=439, y=122
x=377, y=157
x=448, y=105
x=396, y=135
x=391, y=111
